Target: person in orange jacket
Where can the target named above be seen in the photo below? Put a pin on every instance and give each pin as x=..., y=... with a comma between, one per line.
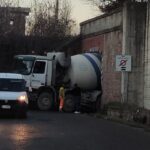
x=61, y=97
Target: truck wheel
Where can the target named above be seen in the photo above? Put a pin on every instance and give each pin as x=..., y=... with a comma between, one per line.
x=45, y=101
x=69, y=103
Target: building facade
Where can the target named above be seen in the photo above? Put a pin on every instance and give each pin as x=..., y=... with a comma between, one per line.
x=13, y=20
x=12, y=34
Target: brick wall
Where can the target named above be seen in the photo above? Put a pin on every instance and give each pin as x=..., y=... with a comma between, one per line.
x=110, y=44
x=93, y=42
x=105, y=34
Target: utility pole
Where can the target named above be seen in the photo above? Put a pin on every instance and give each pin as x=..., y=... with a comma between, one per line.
x=56, y=11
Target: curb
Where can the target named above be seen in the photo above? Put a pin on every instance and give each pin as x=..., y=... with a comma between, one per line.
x=125, y=122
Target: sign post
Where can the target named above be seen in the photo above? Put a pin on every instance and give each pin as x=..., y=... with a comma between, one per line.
x=123, y=64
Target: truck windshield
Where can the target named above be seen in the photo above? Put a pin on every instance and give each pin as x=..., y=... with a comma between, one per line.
x=23, y=66
x=15, y=85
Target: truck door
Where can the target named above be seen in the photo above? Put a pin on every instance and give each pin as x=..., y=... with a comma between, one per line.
x=38, y=77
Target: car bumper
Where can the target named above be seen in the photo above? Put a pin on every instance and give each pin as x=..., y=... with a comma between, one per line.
x=13, y=107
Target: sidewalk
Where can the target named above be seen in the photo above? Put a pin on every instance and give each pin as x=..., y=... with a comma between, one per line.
x=122, y=121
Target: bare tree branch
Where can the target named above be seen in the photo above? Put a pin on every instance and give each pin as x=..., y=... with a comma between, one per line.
x=8, y=3
x=108, y=5
x=43, y=21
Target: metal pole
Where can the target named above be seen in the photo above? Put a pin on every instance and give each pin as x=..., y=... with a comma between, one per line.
x=124, y=77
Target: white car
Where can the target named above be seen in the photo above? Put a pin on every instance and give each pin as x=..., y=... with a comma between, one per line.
x=13, y=96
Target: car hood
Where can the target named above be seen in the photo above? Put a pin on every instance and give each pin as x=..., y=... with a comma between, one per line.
x=7, y=95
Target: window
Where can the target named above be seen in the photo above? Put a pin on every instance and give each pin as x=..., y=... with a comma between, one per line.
x=11, y=22
x=22, y=66
x=39, y=67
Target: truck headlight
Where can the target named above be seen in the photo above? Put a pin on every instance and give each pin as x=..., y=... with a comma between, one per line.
x=23, y=98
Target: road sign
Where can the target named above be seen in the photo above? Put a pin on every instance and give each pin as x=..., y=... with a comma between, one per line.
x=123, y=63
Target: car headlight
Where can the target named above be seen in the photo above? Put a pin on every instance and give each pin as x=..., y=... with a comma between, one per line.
x=23, y=98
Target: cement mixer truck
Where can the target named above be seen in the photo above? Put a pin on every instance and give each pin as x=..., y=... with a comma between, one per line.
x=45, y=74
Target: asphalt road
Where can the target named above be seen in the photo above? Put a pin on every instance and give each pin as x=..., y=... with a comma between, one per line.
x=62, y=131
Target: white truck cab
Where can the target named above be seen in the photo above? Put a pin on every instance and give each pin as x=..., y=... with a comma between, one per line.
x=13, y=96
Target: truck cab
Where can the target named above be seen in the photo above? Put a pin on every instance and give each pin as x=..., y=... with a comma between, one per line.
x=37, y=71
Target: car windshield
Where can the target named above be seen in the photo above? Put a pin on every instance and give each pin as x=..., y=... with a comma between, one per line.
x=23, y=66
x=15, y=85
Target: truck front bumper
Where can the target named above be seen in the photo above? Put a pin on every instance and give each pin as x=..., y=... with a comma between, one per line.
x=12, y=107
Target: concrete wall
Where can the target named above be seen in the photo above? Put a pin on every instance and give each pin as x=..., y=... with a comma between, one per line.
x=104, y=34
x=102, y=23
x=134, y=45
x=147, y=62
x=120, y=32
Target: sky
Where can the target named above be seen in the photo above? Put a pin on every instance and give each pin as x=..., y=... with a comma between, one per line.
x=81, y=11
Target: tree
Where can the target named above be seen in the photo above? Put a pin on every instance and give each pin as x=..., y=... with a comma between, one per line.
x=66, y=23
x=45, y=22
x=108, y=5
x=9, y=3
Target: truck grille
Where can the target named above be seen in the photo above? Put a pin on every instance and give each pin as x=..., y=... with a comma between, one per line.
x=8, y=102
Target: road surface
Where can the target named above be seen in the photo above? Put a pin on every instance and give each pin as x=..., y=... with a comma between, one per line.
x=66, y=131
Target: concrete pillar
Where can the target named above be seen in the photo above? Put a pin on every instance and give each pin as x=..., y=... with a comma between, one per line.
x=147, y=62
x=134, y=16
x=124, y=75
